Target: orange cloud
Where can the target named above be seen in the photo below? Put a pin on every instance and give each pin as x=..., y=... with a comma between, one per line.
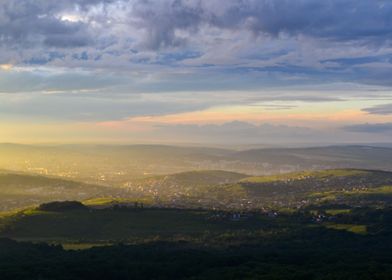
x=6, y=67
x=315, y=118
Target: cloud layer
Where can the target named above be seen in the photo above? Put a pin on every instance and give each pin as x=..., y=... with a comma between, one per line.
x=109, y=60
x=339, y=40
x=371, y=128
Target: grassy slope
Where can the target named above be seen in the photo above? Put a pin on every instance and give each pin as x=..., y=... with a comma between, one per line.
x=345, y=185
x=220, y=188
x=309, y=174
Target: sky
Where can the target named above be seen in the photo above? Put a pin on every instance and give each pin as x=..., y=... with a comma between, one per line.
x=196, y=71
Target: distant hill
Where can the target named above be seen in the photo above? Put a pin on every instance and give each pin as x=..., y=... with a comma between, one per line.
x=196, y=178
x=20, y=190
x=232, y=190
x=105, y=164
x=320, y=157
x=186, y=188
x=207, y=189
x=115, y=165
x=339, y=191
x=339, y=185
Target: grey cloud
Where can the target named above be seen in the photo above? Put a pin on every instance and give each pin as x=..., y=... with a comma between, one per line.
x=296, y=97
x=240, y=132
x=385, y=109
x=370, y=128
x=161, y=20
x=208, y=42
x=337, y=20
x=40, y=81
x=28, y=23
x=85, y=108
x=23, y=20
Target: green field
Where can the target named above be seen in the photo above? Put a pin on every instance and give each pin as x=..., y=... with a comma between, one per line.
x=306, y=175
x=359, y=229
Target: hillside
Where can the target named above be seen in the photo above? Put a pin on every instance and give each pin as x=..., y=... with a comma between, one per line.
x=20, y=190
x=190, y=244
x=207, y=189
x=187, y=181
x=188, y=189
x=77, y=224
x=200, y=178
x=339, y=185
x=366, y=157
x=130, y=224
x=219, y=189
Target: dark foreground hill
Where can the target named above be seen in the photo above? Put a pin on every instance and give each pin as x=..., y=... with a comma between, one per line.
x=304, y=252
x=72, y=222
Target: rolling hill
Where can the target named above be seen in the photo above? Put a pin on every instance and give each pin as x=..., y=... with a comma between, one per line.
x=186, y=181
x=338, y=185
x=228, y=190
x=207, y=189
x=187, y=244
x=105, y=164
x=329, y=157
x=116, y=165
x=265, y=205
x=20, y=190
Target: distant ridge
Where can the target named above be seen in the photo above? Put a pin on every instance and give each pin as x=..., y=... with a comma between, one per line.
x=118, y=164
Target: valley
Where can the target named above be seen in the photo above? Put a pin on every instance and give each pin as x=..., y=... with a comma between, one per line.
x=210, y=223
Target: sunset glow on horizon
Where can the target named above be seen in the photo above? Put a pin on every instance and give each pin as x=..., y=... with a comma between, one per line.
x=106, y=72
